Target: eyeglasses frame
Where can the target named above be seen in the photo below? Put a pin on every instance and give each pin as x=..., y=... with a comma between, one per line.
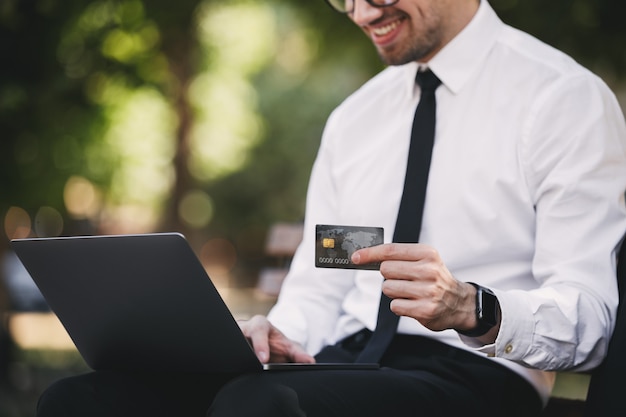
x=370, y=2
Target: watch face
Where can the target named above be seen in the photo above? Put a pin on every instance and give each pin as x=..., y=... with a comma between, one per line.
x=488, y=307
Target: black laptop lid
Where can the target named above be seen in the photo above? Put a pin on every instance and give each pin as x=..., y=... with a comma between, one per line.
x=137, y=302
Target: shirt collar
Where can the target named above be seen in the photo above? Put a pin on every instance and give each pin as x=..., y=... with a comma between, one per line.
x=463, y=55
x=466, y=53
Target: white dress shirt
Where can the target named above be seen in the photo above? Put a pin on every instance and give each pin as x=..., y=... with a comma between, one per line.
x=525, y=196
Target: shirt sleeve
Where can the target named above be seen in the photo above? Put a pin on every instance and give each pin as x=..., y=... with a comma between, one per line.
x=575, y=161
x=310, y=300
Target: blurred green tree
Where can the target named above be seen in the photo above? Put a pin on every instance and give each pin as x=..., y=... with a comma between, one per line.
x=72, y=67
x=37, y=100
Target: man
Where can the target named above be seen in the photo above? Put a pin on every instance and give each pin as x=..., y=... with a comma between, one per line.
x=525, y=199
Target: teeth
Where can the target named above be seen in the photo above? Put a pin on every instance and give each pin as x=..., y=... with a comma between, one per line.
x=382, y=31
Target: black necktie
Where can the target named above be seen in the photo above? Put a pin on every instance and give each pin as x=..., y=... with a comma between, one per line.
x=409, y=219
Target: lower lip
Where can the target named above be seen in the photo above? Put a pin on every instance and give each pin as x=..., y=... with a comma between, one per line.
x=382, y=40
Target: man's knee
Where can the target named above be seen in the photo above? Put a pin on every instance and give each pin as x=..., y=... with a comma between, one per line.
x=59, y=399
x=255, y=395
x=100, y=394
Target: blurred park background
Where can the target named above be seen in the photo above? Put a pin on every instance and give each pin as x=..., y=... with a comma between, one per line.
x=196, y=116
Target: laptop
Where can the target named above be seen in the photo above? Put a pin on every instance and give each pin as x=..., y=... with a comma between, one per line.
x=142, y=302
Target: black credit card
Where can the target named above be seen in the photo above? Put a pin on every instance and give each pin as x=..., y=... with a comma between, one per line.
x=334, y=245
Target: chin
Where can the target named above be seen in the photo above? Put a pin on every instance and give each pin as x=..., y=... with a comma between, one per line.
x=392, y=60
x=415, y=53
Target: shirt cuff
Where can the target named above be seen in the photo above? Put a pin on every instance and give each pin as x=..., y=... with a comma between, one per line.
x=516, y=330
x=489, y=350
x=517, y=327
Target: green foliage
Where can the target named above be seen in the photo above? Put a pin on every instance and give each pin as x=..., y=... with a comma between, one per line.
x=37, y=102
x=68, y=67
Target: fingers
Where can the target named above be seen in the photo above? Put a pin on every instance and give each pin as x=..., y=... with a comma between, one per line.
x=284, y=350
x=299, y=355
x=257, y=331
x=399, y=287
x=269, y=344
x=402, y=261
x=394, y=251
x=417, y=281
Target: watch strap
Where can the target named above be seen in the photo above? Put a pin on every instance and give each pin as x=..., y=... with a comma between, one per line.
x=486, y=312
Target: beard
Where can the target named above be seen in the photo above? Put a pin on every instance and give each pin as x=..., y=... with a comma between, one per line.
x=415, y=53
x=418, y=47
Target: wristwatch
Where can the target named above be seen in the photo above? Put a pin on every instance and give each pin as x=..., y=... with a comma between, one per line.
x=486, y=312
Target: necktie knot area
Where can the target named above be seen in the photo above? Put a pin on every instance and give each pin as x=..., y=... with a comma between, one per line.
x=427, y=80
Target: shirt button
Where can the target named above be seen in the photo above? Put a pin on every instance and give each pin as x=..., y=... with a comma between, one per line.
x=508, y=348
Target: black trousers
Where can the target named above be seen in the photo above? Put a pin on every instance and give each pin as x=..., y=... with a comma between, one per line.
x=418, y=377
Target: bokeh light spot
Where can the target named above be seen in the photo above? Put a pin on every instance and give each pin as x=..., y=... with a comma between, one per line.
x=17, y=223
x=82, y=199
x=196, y=209
x=48, y=222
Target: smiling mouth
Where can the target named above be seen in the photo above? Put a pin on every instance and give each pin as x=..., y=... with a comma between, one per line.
x=384, y=30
